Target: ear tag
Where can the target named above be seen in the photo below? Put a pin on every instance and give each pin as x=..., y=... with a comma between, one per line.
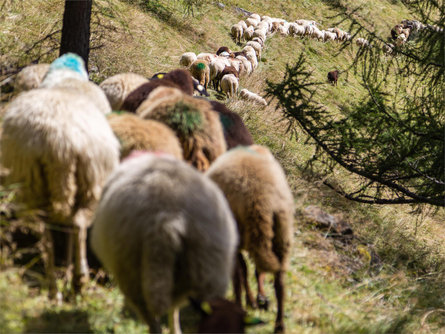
x=252, y=321
x=206, y=308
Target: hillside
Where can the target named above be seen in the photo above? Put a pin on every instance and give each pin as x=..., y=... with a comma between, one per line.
x=387, y=277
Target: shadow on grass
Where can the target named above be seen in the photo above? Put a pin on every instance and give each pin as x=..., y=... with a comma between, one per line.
x=59, y=322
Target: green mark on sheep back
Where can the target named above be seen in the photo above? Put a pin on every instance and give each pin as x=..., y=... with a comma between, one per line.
x=185, y=119
x=226, y=121
x=201, y=66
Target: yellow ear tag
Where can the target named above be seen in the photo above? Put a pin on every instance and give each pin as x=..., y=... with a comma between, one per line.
x=206, y=308
x=252, y=321
x=160, y=76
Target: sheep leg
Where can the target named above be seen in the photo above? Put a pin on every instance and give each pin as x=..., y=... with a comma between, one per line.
x=69, y=257
x=279, y=294
x=250, y=300
x=80, y=251
x=237, y=281
x=262, y=300
x=173, y=321
x=48, y=259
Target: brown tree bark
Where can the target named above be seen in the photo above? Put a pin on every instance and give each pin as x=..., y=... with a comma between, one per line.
x=76, y=28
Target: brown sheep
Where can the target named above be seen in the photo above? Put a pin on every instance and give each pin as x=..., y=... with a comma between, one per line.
x=333, y=77
x=262, y=203
x=135, y=133
x=227, y=70
x=196, y=125
x=235, y=131
x=200, y=70
x=180, y=79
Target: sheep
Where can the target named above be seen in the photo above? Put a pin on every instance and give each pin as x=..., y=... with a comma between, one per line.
x=223, y=49
x=388, y=48
x=296, y=29
x=30, y=77
x=208, y=57
x=195, y=123
x=235, y=131
x=283, y=29
x=59, y=146
x=362, y=42
x=248, y=33
x=226, y=70
x=165, y=232
x=180, y=79
x=262, y=203
x=117, y=87
x=250, y=96
x=242, y=24
x=247, y=65
x=237, y=32
x=257, y=47
x=67, y=66
x=333, y=77
x=255, y=17
x=318, y=34
x=250, y=54
x=259, y=33
x=200, y=71
x=216, y=67
x=229, y=85
x=88, y=89
x=135, y=133
x=187, y=59
x=252, y=22
x=329, y=36
x=303, y=22
x=259, y=40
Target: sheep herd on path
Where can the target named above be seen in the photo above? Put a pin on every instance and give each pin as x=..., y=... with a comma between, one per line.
x=171, y=184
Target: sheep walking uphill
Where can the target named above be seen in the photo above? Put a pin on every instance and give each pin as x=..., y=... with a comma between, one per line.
x=195, y=123
x=166, y=233
x=262, y=203
x=60, y=148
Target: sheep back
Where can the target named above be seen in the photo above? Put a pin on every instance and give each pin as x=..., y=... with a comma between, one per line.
x=118, y=87
x=30, y=77
x=200, y=71
x=59, y=146
x=261, y=201
x=193, y=120
x=165, y=232
x=135, y=133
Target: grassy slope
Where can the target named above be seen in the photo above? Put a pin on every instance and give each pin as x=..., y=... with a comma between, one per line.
x=332, y=286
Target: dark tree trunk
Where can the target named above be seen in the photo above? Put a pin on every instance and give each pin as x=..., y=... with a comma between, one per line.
x=76, y=28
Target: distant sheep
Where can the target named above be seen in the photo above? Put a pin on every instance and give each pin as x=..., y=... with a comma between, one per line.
x=262, y=203
x=117, y=87
x=333, y=77
x=151, y=232
x=362, y=42
x=237, y=32
x=226, y=70
x=200, y=71
x=250, y=96
x=180, y=79
x=135, y=133
x=30, y=77
x=195, y=123
x=187, y=59
x=59, y=146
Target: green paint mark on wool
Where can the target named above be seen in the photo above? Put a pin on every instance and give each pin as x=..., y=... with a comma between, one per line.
x=201, y=66
x=185, y=119
x=225, y=121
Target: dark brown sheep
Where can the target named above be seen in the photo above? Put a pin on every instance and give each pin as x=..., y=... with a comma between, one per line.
x=235, y=131
x=223, y=49
x=180, y=79
x=333, y=77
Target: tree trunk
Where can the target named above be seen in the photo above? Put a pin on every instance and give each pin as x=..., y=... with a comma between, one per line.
x=76, y=28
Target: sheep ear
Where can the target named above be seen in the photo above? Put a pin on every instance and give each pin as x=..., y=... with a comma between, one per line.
x=252, y=321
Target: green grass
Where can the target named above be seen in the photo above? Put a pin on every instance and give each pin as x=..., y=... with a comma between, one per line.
x=332, y=285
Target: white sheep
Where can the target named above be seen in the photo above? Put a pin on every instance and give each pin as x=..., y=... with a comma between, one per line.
x=257, y=47
x=30, y=77
x=68, y=66
x=318, y=34
x=246, y=65
x=329, y=36
x=229, y=85
x=242, y=24
x=117, y=87
x=206, y=56
x=388, y=48
x=165, y=232
x=58, y=145
x=296, y=29
x=252, y=22
x=251, y=56
x=237, y=32
x=248, y=33
x=362, y=42
x=187, y=59
x=250, y=96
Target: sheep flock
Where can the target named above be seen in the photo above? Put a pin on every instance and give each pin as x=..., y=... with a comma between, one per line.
x=172, y=183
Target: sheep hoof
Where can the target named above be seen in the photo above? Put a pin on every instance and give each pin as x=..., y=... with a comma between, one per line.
x=263, y=302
